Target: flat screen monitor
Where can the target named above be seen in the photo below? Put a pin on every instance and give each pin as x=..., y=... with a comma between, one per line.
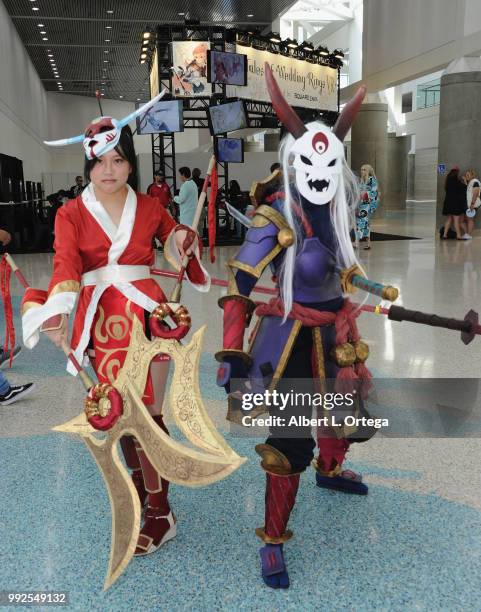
x=227, y=117
x=230, y=150
x=166, y=116
x=226, y=68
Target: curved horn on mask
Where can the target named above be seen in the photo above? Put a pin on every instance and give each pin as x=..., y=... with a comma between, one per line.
x=64, y=141
x=348, y=114
x=142, y=109
x=286, y=114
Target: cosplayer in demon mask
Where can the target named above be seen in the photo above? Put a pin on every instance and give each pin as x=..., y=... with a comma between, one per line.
x=308, y=333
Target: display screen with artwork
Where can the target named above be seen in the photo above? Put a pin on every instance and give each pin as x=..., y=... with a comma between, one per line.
x=230, y=150
x=165, y=116
x=189, y=68
x=227, y=68
x=227, y=117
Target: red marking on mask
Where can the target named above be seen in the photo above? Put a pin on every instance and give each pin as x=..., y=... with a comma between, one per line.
x=320, y=143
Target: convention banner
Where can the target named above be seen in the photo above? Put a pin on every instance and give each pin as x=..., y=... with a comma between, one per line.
x=189, y=61
x=303, y=84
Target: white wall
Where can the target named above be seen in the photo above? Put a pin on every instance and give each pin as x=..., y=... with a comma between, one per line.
x=23, y=103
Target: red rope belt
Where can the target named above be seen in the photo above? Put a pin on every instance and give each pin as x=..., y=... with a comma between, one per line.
x=344, y=321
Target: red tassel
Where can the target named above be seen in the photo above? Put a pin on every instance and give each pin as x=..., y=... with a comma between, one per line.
x=211, y=211
x=9, y=342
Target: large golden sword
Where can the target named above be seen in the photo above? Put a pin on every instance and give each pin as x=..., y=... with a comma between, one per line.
x=175, y=461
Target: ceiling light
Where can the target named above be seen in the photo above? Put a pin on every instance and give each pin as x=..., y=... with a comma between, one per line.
x=143, y=56
x=292, y=44
x=121, y=96
x=108, y=27
x=146, y=35
x=105, y=51
x=103, y=83
x=59, y=83
x=107, y=40
x=181, y=14
x=35, y=8
x=50, y=54
x=138, y=99
x=43, y=32
x=144, y=48
x=110, y=12
x=106, y=61
x=339, y=54
x=275, y=38
x=250, y=15
x=142, y=61
x=44, y=38
x=41, y=25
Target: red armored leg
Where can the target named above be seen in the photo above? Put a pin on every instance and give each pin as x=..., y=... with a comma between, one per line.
x=127, y=444
x=329, y=472
x=159, y=525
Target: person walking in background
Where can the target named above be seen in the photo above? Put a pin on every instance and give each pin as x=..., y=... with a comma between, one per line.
x=198, y=180
x=77, y=189
x=237, y=200
x=159, y=189
x=367, y=205
x=187, y=198
x=454, y=205
x=473, y=201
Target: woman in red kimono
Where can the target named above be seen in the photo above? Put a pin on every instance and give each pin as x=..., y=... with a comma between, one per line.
x=103, y=254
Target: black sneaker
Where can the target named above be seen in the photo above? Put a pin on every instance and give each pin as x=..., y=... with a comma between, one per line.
x=16, y=393
x=5, y=356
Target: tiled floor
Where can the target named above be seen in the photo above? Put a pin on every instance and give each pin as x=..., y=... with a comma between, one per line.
x=413, y=544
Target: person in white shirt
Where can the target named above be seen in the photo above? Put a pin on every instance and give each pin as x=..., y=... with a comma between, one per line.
x=473, y=200
x=187, y=198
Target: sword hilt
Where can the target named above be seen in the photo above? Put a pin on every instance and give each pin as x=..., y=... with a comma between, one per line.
x=466, y=326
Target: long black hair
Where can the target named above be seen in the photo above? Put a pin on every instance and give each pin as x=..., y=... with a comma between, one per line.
x=125, y=149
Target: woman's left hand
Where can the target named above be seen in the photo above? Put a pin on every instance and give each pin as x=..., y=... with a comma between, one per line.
x=180, y=237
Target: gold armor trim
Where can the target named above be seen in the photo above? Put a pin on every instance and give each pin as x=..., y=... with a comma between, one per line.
x=319, y=352
x=286, y=353
x=285, y=237
x=330, y=473
x=62, y=287
x=273, y=461
x=273, y=215
x=260, y=533
x=221, y=355
x=256, y=271
x=346, y=276
x=258, y=188
x=259, y=221
x=251, y=305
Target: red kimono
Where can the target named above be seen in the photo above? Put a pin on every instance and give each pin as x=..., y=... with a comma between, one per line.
x=108, y=268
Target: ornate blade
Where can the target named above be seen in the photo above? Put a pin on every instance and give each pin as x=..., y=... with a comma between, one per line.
x=124, y=504
x=174, y=461
x=185, y=398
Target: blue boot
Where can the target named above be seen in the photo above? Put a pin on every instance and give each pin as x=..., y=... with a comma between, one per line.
x=347, y=482
x=273, y=566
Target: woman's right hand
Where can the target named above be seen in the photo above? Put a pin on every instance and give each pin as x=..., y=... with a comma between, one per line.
x=59, y=336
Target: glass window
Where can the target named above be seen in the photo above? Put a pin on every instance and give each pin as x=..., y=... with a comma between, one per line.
x=428, y=94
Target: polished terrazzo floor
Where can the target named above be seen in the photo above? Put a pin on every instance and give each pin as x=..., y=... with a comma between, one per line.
x=414, y=543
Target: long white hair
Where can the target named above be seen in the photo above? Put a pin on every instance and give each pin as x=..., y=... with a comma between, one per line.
x=341, y=207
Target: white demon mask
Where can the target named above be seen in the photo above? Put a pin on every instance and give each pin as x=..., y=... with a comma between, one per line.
x=318, y=159
x=102, y=135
